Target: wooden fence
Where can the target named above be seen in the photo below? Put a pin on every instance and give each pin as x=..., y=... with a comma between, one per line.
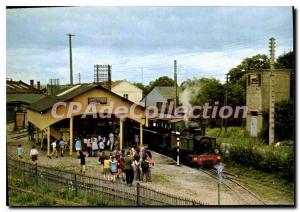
x=82, y=186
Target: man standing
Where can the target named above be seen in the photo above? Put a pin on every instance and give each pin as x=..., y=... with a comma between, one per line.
x=128, y=168
x=136, y=140
x=111, y=141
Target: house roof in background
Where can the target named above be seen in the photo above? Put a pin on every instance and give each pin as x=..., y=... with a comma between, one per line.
x=25, y=98
x=20, y=87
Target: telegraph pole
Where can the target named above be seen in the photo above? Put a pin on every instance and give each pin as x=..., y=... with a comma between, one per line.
x=175, y=82
x=272, y=93
x=71, y=65
x=225, y=102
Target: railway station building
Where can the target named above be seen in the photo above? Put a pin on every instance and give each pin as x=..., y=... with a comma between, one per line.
x=74, y=117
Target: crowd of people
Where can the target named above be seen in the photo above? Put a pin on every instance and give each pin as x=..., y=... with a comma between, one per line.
x=115, y=165
x=133, y=163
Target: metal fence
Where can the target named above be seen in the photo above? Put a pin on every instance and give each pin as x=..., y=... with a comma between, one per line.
x=101, y=191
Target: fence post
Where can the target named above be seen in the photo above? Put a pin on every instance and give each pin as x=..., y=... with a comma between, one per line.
x=36, y=175
x=75, y=184
x=138, y=203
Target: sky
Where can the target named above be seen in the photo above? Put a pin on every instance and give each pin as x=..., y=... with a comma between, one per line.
x=141, y=43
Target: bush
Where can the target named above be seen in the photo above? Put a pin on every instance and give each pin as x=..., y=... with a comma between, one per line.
x=278, y=160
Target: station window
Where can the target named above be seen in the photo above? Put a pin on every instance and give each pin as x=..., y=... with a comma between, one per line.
x=125, y=96
x=101, y=100
x=254, y=79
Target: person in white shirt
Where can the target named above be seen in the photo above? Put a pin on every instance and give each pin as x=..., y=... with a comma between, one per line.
x=111, y=141
x=94, y=146
x=101, y=146
x=34, y=155
x=85, y=146
x=54, y=150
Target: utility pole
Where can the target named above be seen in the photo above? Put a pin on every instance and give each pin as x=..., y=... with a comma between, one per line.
x=225, y=102
x=175, y=83
x=272, y=93
x=79, y=80
x=71, y=65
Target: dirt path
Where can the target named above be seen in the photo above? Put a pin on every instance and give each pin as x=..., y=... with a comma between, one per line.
x=166, y=176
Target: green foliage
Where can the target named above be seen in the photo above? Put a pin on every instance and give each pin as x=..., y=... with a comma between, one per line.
x=284, y=122
x=286, y=60
x=204, y=90
x=257, y=62
x=270, y=159
x=250, y=152
x=161, y=81
x=97, y=201
x=236, y=94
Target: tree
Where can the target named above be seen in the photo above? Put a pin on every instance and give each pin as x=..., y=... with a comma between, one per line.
x=238, y=74
x=284, y=121
x=163, y=81
x=287, y=60
x=141, y=86
x=204, y=90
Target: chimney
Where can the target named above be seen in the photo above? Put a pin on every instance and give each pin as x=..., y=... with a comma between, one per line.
x=38, y=85
x=32, y=83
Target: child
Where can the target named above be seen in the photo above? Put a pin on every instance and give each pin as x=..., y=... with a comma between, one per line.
x=34, y=155
x=20, y=152
x=113, y=168
x=150, y=163
x=82, y=161
x=106, y=167
x=121, y=167
x=145, y=169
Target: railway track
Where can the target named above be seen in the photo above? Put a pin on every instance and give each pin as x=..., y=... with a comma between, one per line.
x=230, y=181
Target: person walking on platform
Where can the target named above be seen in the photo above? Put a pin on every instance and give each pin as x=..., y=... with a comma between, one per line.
x=54, y=149
x=20, y=152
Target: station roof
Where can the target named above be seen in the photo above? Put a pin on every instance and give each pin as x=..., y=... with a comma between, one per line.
x=68, y=94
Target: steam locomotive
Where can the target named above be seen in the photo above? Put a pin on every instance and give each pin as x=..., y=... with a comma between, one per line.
x=195, y=148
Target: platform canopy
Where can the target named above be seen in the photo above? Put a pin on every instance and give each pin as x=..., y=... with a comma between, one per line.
x=40, y=113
